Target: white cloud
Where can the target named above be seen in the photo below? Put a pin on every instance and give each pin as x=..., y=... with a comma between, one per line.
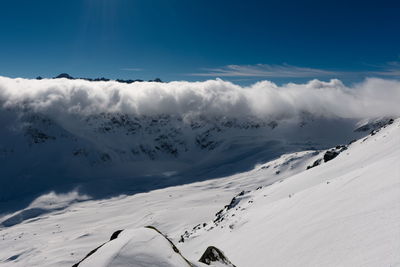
x=372, y=98
x=265, y=70
x=390, y=69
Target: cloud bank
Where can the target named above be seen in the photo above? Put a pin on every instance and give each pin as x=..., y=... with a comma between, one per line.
x=372, y=98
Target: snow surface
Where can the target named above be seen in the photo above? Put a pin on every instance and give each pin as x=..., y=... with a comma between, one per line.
x=345, y=212
x=141, y=247
x=64, y=237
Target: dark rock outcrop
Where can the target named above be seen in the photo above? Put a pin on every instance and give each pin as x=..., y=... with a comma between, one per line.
x=214, y=255
x=329, y=155
x=102, y=79
x=315, y=164
x=64, y=75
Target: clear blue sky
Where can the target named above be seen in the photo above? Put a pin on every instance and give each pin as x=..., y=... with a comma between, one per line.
x=200, y=39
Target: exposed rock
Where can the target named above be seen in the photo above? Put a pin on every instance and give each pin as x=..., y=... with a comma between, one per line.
x=115, y=234
x=375, y=125
x=329, y=155
x=214, y=255
x=334, y=152
x=64, y=75
x=36, y=136
x=315, y=164
x=102, y=79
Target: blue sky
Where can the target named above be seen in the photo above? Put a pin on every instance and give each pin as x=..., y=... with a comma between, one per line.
x=241, y=41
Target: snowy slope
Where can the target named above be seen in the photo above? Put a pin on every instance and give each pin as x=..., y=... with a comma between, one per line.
x=66, y=234
x=344, y=212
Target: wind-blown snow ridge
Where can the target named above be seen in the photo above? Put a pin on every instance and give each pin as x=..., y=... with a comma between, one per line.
x=372, y=98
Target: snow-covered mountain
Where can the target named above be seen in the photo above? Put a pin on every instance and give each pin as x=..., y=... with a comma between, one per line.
x=223, y=175
x=39, y=153
x=61, y=134
x=344, y=211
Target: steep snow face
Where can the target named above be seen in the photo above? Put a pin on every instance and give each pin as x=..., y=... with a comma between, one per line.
x=345, y=212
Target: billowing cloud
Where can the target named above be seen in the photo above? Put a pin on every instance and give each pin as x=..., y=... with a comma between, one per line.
x=372, y=98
